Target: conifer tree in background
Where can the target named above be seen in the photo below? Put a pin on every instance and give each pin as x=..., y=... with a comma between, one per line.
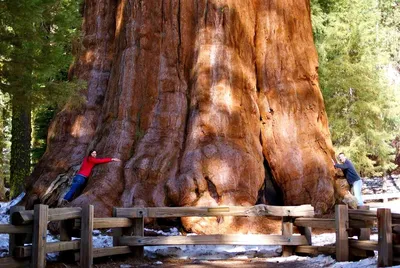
x=5, y=127
x=42, y=118
x=357, y=43
x=35, y=45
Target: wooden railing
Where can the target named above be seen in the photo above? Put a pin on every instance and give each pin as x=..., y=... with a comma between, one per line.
x=349, y=223
x=128, y=231
x=384, y=197
x=129, y=238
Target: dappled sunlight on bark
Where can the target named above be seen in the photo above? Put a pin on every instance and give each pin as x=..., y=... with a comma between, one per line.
x=207, y=103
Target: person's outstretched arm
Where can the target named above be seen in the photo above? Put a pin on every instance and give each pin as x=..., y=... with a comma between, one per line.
x=102, y=160
x=345, y=165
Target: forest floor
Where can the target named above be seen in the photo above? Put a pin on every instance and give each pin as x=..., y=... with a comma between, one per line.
x=129, y=262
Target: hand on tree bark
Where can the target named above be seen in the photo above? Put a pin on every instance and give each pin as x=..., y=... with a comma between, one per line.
x=115, y=160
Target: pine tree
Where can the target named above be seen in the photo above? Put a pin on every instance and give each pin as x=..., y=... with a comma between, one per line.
x=354, y=56
x=35, y=45
x=42, y=118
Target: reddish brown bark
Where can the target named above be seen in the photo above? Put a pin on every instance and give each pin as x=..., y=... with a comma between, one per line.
x=207, y=102
x=396, y=145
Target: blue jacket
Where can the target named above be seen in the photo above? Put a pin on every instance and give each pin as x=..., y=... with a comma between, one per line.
x=349, y=171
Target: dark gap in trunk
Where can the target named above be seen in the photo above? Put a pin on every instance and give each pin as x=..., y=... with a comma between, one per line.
x=212, y=189
x=270, y=193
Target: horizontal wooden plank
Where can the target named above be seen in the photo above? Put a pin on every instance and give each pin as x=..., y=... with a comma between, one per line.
x=102, y=223
x=396, y=229
x=380, y=196
x=330, y=223
x=14, y=229
x=55, y=214
x=63, y=246
x=358, y=214
x=315, y=223
x=316, y=250
x=26, y=251
x=11, y=262
x=22, y=217
x=396, y=218
x=364, y=244
x=58, y=214
x=396, y=249
x=258, y=210
x=105, y=223
x=102, y=252
x=256, y=240
x=362, y=223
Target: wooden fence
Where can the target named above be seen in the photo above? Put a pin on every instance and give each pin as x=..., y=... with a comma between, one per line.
x=384, y=197
x=349, y=223
x=30, y=226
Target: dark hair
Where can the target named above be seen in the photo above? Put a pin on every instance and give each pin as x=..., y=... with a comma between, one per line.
x=91, y=151
x=341, y=153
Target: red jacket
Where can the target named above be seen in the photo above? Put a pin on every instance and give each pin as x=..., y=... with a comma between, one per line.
x=88, y=164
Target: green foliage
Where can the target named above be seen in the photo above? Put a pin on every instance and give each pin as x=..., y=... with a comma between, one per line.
x=358, y=44
x=42, y=119
x=36, y=46
x=35, y=53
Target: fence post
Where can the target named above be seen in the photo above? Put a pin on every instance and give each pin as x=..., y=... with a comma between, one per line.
x=86, y=252
x=307, y=232
x=287, y=230
x=385, y=245
x=365, y=234
x=65, y=235
x=342, y=237
x=15, y=239
x=138, y=230
x=117, y=232
x=40, y=218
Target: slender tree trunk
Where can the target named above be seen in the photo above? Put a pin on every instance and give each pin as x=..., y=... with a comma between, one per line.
x=207, y=102
x=396, y=145
x=4, y=159
x=2, y=190
x=20, y=166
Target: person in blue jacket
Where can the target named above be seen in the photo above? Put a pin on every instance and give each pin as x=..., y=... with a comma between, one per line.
x=351, y=175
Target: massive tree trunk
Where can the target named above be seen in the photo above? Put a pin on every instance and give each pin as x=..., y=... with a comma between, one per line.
x=208, y=102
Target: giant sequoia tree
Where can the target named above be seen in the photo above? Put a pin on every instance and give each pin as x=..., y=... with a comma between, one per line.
x=208, y=102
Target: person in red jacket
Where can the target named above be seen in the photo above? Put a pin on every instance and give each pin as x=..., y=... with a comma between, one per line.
x=84, y=172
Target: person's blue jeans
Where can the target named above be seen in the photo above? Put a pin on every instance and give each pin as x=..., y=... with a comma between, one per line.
x=357, y=186
x=77, y=182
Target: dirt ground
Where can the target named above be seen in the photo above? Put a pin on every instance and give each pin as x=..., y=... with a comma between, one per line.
x=126, y=262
